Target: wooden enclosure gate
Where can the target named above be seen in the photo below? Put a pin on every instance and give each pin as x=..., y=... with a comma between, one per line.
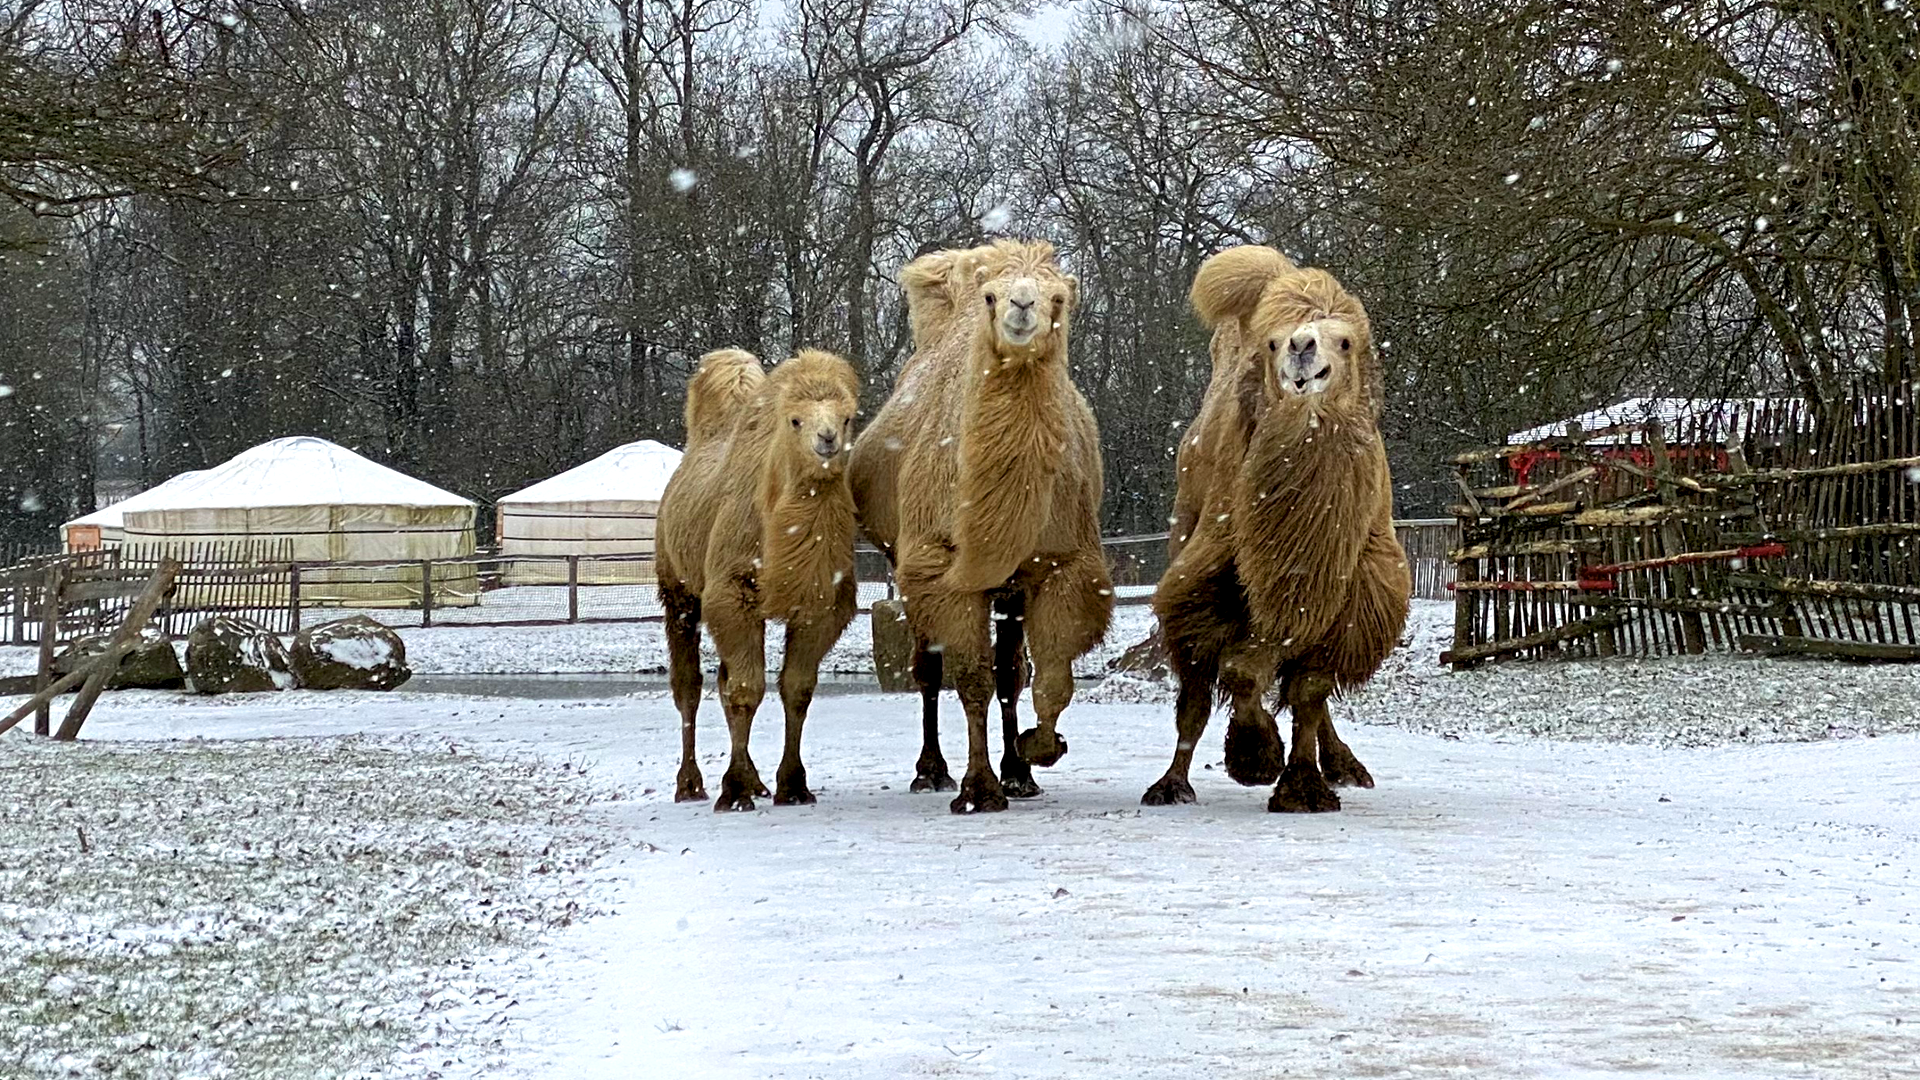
x=1775, y=528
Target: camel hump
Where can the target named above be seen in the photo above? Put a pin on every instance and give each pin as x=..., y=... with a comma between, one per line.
x=724, y=384
x=1229, y=285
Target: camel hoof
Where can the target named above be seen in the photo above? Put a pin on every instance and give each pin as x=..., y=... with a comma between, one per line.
x=932, y=776
x=1255, y=754
x=791, y=788
x=689, y=786
x=737, y=790
x=1342, y=769
x=1169, y=790
x=979, y=794
x=1041, y=748
x=1016, y=780
x=1302, y=790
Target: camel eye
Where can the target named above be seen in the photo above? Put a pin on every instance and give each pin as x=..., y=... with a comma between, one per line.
x=990, y=299
x=1345, y=343
x=796, y=421
x=1273, y=345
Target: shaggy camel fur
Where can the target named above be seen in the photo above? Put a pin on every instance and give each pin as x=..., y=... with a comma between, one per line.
x=980, y=479
x=1285, y=562
x=757, y=524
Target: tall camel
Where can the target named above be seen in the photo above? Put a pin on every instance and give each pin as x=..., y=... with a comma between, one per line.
x=980, y=479
x=1285, y=563
x=756, y=524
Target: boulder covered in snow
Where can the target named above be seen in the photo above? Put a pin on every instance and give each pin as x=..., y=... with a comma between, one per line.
x=152, y=665
x=230, y=655
x=350, y=654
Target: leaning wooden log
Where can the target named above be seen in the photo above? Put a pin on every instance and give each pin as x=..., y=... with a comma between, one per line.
x=1568, y=632
x=65, y=683
x=1753, y=551
x=1536, y=547
x=1843, y=590
x=1854, y=468
x=1785, y=645
x=1542, y=510
x=1677, y=603
x=1579, y=476
x=1528, y=586
x=1837, y=532
x=123, y=641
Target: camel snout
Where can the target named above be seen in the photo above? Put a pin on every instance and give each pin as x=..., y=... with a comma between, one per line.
x=826, y=443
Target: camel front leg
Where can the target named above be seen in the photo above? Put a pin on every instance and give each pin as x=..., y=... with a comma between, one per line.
x=956, y=623
x=1009, y=671
x=807, y=644
x=683, y=658
x=1200, y=616
x=1302, y=790
x=740, y=636
x=1068, y=614
x=930, y=771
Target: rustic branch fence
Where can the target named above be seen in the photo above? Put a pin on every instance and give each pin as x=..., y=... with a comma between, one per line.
x=1769, y=527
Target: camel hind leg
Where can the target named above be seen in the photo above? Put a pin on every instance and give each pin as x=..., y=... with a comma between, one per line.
x=1301, y=789
x=683, y=657
x=1070, y=607
x=929, y=671
x=1009, y=671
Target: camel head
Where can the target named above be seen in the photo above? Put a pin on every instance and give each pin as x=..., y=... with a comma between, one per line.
x=1024, y=301
x=1305, y=338
x=815, y=396
x=1315, y=339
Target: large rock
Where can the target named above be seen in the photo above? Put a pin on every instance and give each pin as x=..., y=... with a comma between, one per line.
x=230, y=655
x=892, y=646
x=152, y=665
x=350, y=654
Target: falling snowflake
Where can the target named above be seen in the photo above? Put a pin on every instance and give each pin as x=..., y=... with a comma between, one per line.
x=30, y=501
x=683, y=180
x=1512, y=178
x=997, y=219
x=5, y=391
x=1761, y=224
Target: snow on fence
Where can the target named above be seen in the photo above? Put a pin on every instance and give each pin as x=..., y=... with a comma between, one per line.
x=1774, y=528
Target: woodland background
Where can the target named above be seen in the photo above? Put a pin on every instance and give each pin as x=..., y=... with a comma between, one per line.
x=483, y=240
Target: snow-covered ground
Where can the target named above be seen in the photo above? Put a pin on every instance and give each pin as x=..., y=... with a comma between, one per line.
x=1501, y=905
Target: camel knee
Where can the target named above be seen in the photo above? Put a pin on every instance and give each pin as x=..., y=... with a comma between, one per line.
x=1307, y=689
x=744, y=691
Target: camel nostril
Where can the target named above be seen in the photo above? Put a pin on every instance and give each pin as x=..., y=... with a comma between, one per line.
x=1028, y=306
x=1323, y=373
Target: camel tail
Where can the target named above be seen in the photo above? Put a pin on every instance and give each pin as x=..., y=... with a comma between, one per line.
x=1229, y=285
x=717, y=392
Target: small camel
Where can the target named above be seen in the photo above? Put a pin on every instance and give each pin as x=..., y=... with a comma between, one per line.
x=1284, y=558
x=756, y=524
x=980, y=480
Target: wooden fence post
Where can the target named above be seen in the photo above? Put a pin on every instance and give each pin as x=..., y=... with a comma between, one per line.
x=573, y=588
x=49, y=633
x=426, y=592
x=1693, y=635
x=293, y=594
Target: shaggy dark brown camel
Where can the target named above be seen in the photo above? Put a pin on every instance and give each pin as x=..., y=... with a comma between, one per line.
x=980, y=479
x=756, y=524
x=1285, y=562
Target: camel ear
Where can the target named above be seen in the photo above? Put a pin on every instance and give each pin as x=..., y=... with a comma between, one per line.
x=1252, y=390
x=1073, y=291
x=980, y=274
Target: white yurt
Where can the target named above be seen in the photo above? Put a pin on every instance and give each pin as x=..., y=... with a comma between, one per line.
x=326, y=504
x=604, y=507
x=101, y=529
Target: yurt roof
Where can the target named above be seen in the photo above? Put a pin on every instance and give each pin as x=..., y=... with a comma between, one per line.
x=113, y=515
x=298, y=471
x=1730, y=415
x=636, y=472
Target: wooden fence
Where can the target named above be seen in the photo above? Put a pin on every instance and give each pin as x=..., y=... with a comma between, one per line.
x=264, y=584
x=1775, y=529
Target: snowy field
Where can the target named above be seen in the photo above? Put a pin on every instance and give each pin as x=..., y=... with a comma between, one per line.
x=1566, y=870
